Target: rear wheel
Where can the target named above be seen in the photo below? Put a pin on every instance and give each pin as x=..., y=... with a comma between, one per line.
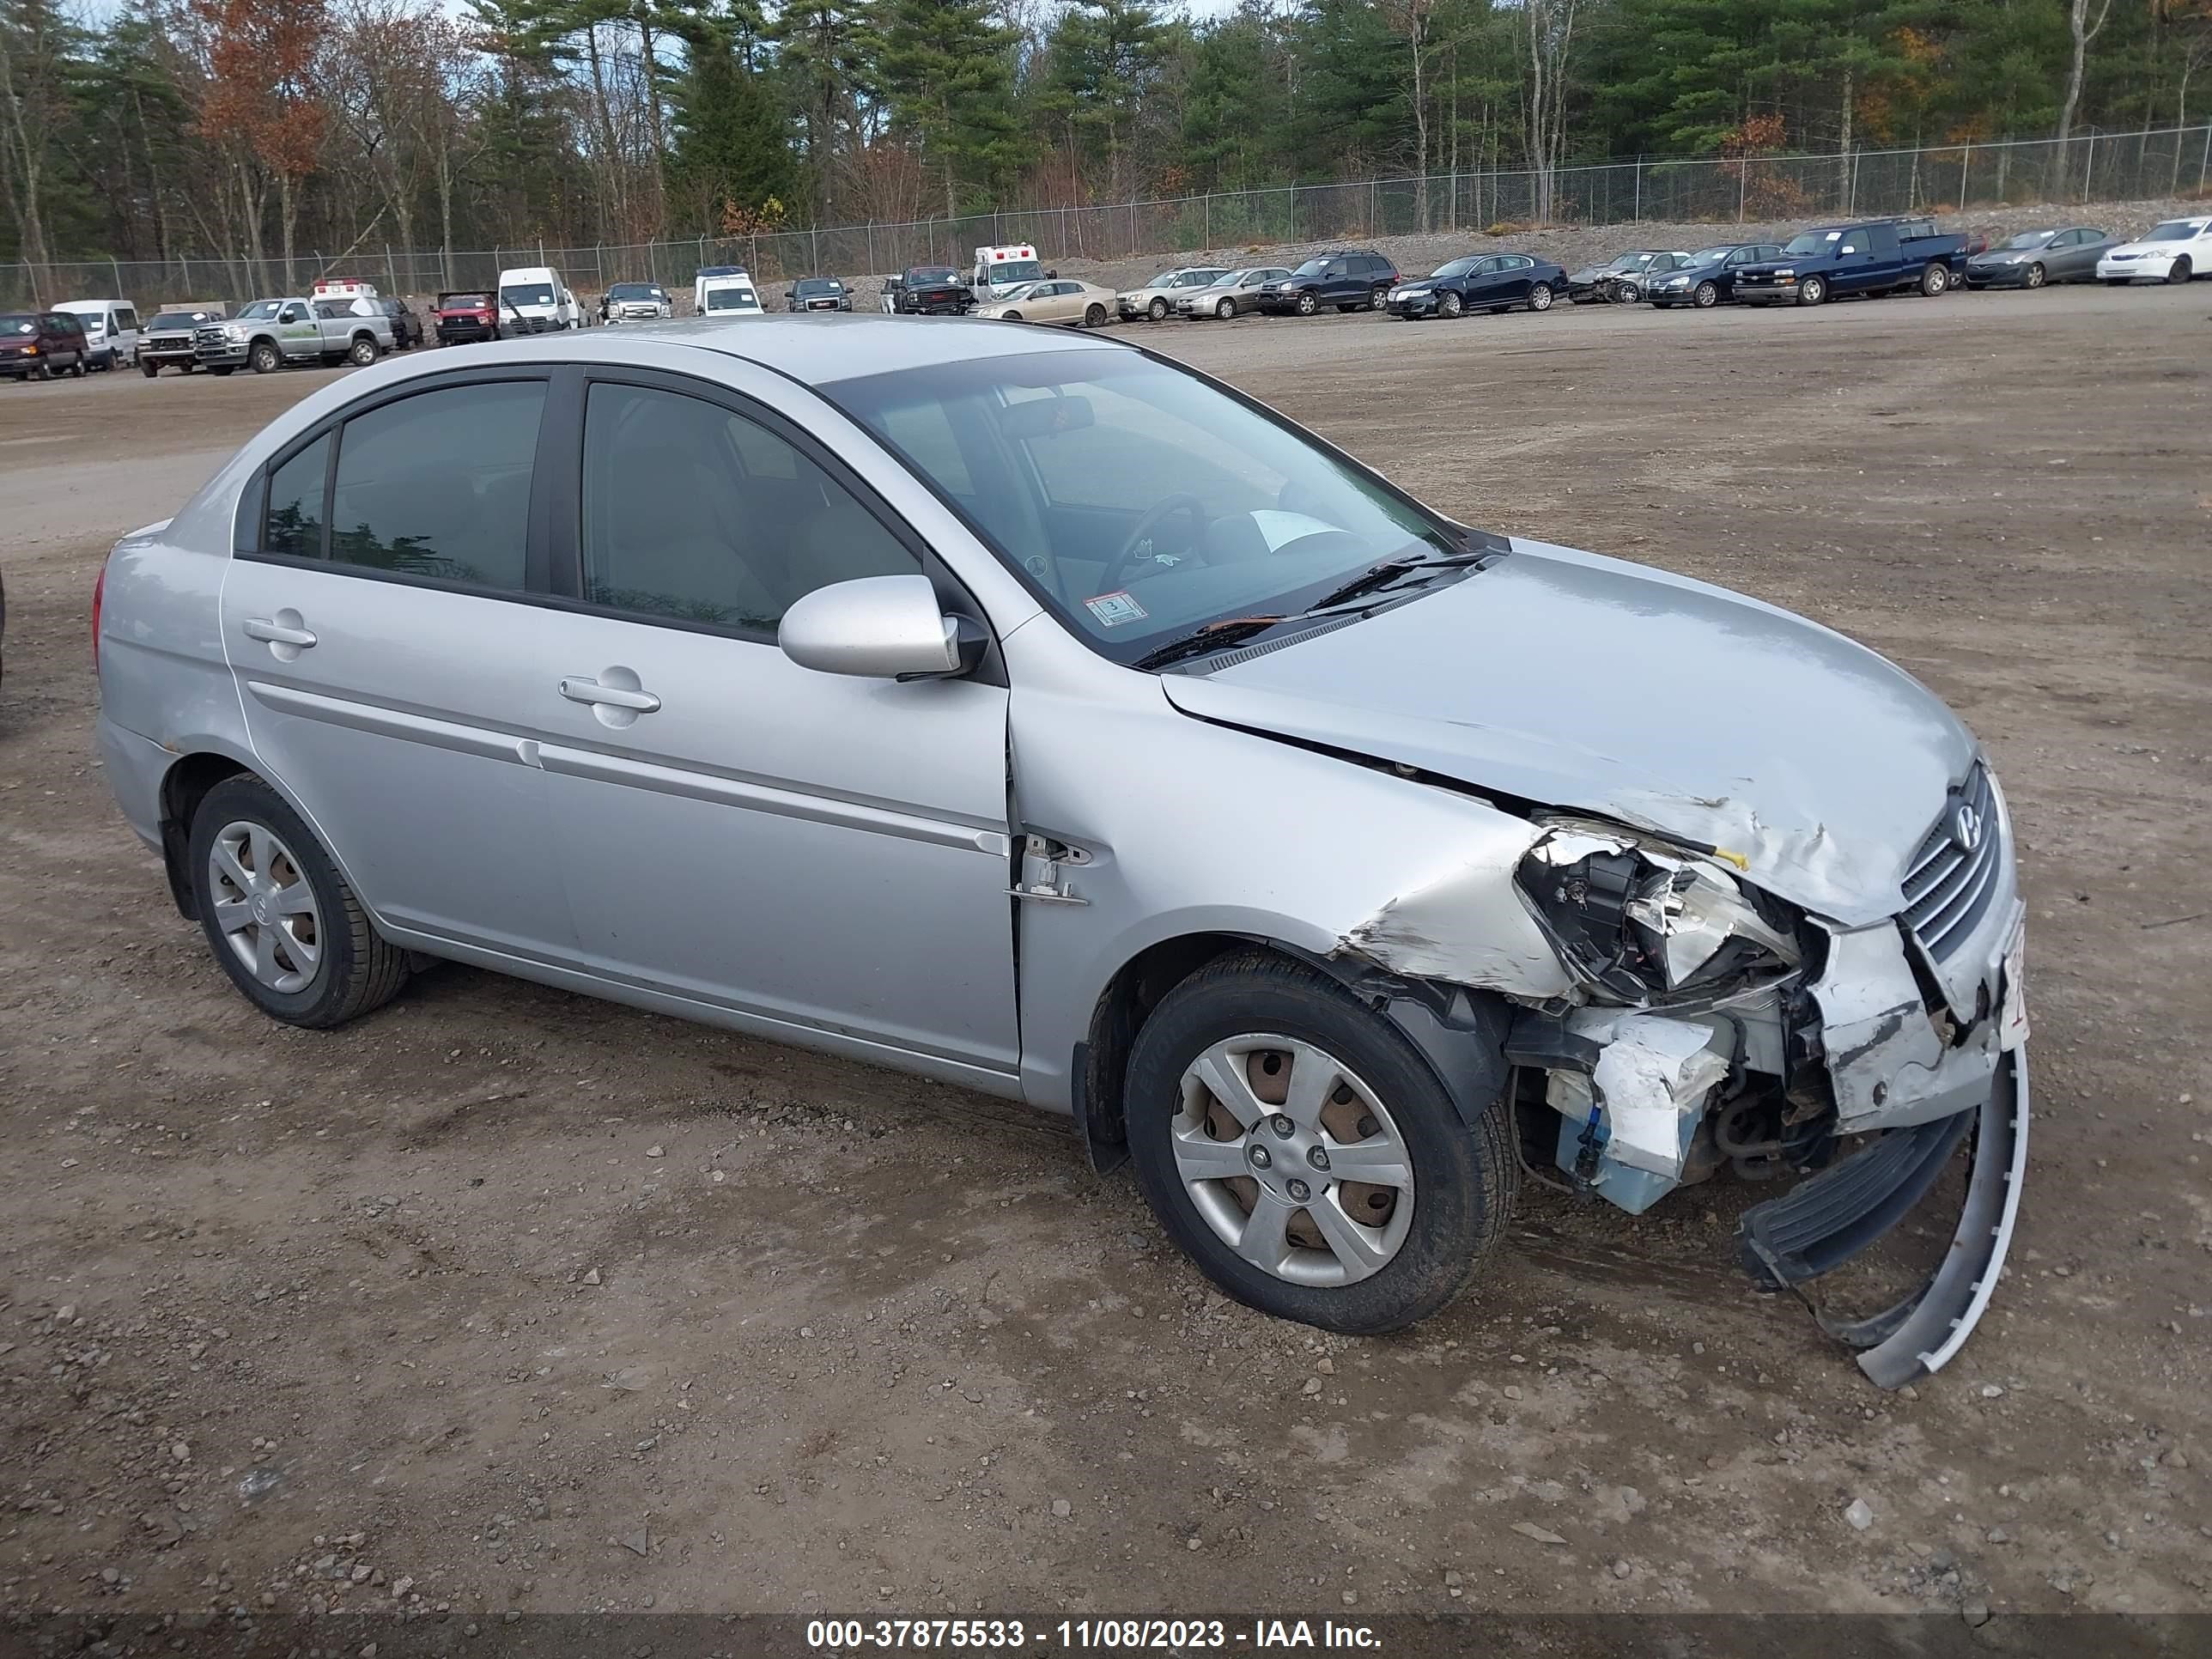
x=1934, y=279
x=1094, y=316
x=1812, y=291
x=1705, y=295
x=2180, y=271
x=282, y=922
x=1539, y=297
x=363, y=351
x=1303, y=1152
x=1379, y=296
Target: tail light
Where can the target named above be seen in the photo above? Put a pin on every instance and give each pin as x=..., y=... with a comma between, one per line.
x=99, y=594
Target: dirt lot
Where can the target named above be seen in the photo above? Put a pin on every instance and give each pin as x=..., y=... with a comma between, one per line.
x=541, y=1304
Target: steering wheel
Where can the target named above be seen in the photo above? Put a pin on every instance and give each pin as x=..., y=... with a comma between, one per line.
x=1142, y=530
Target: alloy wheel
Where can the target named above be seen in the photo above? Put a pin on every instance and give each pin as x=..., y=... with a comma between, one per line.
x=2035, y=276
x=1292, y=1160
x=264, y=907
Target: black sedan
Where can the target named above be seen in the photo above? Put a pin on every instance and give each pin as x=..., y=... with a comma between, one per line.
x=1481, y=282
x=1708, y=278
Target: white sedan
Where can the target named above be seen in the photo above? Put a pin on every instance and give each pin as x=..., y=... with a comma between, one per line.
x=2169, y=253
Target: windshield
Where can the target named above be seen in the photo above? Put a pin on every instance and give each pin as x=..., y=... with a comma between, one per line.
x=721, y=270
x=817, y=285
x=2029, y=239
x=463, y=302
x=928, y=275
x=2173, y=230
x=260, y=310
x=15, y=324
x=1456, y=268
x=1812, y=241
x=1311, y=268
x=1014, y=270
x=1715, y=254
x=527, y=293
x=637, y=291
x=1629, y=262
x=1140, y=501
x=731, y=299
x=177, y=319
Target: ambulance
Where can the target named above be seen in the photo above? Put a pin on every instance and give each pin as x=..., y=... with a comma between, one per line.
x=1000, y=270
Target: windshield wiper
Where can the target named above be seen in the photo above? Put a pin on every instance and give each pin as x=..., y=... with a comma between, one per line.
x=1389, y=571
x=1211, y=636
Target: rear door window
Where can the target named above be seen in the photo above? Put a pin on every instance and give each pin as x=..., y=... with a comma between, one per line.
x=294, y=523
x=437, y=485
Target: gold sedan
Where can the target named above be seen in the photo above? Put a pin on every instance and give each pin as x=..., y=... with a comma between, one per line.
x=1055, y=300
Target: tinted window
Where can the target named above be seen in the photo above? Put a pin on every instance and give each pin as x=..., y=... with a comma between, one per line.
x=294, y=523
x=697, y=515
x=439, y=485
x=125, y=319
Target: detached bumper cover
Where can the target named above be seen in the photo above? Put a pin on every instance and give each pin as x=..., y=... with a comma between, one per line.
x=1825, y=1221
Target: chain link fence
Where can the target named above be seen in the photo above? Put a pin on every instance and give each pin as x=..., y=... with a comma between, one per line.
x=1942, y=179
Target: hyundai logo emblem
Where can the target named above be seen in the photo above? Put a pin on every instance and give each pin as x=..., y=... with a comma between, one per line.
x=1966, y=828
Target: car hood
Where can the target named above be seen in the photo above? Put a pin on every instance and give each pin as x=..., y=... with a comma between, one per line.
x=2182, y=245
x=1569, y=680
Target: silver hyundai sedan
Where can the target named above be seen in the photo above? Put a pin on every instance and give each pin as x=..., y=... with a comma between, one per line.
x=1032, y=712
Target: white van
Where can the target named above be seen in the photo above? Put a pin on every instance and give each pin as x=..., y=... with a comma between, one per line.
x=534, y=299
x=714, y=274
x=1000, y=270
x=111, y=330
x=727, y=296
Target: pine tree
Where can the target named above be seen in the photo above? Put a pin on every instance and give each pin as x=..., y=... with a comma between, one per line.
x=947, y=71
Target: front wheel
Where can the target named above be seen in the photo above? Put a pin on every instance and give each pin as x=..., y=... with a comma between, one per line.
x=1011, y=316
x=1224, y=309
x=1448, y=304
x=150, y=370
x=1308, y=304
x=1705, y=295
x=2180, y=271
x=264, y=359
x=1934, y=279
x=2036, y=277
x=78, y=369
x=1094, y=316
x=1539, y=297
x=282, y=922
x=1158, y=311
x=1812, y=291
x=219, y=373
x=1298, y=1146
x=362, y=352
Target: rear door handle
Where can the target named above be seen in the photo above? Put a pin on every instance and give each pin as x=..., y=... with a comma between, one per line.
x=582, y=688
x=277, y=633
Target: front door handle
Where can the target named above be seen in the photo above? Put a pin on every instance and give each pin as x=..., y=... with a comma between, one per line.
x=276, y=632
x=582, y=688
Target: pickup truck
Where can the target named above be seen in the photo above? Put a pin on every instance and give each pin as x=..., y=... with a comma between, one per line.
x=1873, y=256
x=270, y=333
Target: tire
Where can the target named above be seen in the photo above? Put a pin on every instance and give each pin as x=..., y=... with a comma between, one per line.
x=221, y=370
x=1540, y=297
x=151, y=371
x=1934, y=279
x=1158, y=311
x=2180, y=271
x=362, y=352
x=1437, y=1224
x=264, y=358
x=108, y=362
x=1379, y=296
x=1449, y=305
x=1812, y=291
x=2037, y=276
x=1224, y=310
x=1705, y=295
x=43, y=371
x=245, y=825
x=2113, y=281
x=1011, y=316
x=79, y=369
x=1308, y=303
x=1094, y=316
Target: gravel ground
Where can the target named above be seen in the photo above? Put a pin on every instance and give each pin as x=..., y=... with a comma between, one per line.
x=505, y=1299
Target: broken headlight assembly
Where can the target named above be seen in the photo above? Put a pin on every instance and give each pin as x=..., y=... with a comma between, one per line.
x=1640, y=922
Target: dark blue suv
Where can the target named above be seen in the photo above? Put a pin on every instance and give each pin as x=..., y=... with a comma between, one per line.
x=1351, y=279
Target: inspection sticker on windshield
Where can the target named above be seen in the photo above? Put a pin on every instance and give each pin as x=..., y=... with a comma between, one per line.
x=1113, y=609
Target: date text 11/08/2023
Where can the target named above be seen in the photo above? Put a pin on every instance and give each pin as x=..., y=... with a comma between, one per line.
x=1088, y=1635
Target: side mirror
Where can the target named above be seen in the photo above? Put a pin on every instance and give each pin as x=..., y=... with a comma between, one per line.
x=883, y=627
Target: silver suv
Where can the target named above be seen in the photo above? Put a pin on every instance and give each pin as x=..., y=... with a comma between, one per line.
x=1032, y=713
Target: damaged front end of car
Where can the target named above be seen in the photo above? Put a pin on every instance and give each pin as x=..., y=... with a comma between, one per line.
x=1709, y=1024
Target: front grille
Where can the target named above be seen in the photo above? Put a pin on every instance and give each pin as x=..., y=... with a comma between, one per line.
x=1948, y=888
x=210, y=339
x=168, y=342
